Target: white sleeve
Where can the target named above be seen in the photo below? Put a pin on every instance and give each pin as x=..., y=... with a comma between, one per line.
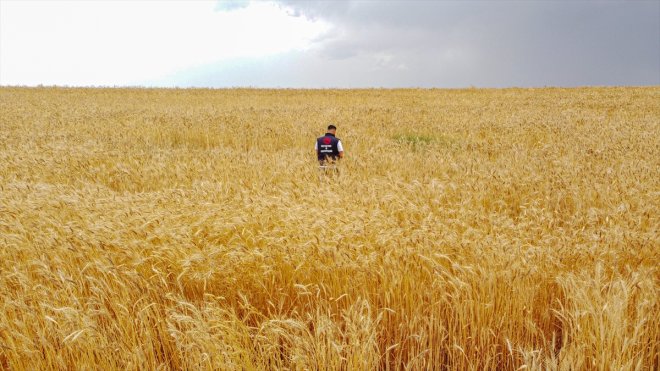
x=316, y=145
x=340, y=148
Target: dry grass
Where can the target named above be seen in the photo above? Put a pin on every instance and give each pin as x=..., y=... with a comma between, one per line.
x=467, y=229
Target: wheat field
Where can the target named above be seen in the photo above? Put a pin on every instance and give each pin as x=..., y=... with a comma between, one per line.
x=469, y=229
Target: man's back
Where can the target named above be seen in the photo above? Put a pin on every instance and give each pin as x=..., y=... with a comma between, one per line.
x=328, y=147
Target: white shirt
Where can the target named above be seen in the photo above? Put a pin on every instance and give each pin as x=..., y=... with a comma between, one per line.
x=340, y=148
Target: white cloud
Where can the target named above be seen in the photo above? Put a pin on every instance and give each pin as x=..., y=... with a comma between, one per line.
x=128, y=42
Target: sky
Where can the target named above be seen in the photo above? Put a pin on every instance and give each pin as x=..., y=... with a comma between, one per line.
x=330, y=44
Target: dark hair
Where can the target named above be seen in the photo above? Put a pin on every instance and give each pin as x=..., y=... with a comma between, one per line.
x=332, y=127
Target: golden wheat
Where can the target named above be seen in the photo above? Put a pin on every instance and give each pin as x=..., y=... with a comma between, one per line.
x=466, y=229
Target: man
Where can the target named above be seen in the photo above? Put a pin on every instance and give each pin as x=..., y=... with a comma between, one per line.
x=328, y=147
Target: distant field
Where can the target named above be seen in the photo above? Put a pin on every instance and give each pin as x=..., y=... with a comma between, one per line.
x=467, y=229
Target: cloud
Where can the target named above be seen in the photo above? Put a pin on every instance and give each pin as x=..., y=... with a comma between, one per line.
x=495, y=43
x=83, y=43
x=318, y=44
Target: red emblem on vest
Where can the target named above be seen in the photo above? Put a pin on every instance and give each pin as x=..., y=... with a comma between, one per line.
x=327, y=140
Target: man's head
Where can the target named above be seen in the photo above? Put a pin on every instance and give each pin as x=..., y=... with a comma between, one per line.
x=332, y=129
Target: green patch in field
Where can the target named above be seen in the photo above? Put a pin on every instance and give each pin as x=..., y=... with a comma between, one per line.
x=424, y=141
x=414, y=139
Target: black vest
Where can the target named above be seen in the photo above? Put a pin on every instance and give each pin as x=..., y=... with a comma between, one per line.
x=327, y=147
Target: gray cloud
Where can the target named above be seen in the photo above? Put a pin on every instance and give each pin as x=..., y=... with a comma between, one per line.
x=466, y=43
